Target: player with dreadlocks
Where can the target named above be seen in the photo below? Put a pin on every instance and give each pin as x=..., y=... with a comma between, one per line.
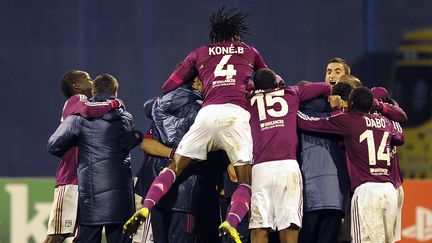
x=225, y=67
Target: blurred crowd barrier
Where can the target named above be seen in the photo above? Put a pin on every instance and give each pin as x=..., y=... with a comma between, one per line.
x=25, y=205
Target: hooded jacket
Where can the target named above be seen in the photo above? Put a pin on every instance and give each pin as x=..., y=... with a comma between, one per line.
x=323, y=164
x=172, y=116
x=104, y=170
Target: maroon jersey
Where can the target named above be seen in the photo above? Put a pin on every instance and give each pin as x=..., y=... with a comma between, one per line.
x=367, y=138
x=393, y=112
x=224, y=69
x=78, y=104
x=396, y=171
x=274, y=120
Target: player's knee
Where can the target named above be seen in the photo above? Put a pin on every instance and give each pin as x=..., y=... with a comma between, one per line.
x=244, y=174
x=294, y=227
x=179, y=163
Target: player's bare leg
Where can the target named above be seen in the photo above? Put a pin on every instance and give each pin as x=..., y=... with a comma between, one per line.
x=244, y=174
x=259, y=235
x=179, y=163
x=239, y=204
x=289, y=235
x=158, y=189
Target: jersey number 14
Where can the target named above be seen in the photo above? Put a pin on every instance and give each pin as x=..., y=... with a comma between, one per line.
x=383, y=152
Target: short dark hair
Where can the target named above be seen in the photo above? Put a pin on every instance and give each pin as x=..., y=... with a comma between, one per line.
x=70, y=78
x=105, y=83
x=265, y=78
x=361, y=99
x=343, y=90
x=347, y=68
x=227, y=23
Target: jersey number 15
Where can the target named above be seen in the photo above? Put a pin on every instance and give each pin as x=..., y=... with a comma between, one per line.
x=265, y=103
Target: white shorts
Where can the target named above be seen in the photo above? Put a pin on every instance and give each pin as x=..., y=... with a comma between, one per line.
x=219, y=127
x=62, y=219
x=374, y=212
x=277, y=199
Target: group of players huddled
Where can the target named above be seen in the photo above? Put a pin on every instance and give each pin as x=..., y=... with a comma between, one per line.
x=315, y=161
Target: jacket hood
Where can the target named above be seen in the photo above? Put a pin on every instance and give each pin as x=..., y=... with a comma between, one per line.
x=177, y=98
x=148, y=107
x=318, y=107
x=112, y=115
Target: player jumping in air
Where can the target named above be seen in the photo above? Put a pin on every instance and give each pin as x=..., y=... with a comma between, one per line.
x=225, y=67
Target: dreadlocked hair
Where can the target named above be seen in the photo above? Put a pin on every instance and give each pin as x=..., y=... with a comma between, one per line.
x=227, y=23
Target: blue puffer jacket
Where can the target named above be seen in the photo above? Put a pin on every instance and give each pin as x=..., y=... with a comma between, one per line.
x=174, y=113
x=104, y=170
x=323, y=164
x=172, y=116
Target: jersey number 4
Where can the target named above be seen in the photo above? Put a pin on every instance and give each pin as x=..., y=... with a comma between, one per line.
x=380, y=154
x=266, y=102
x=229, y=72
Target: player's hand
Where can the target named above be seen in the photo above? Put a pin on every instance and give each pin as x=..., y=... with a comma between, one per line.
x=376, y=106
x=335, y=101
x=379, y=92
x=116, y=103
x=280, y=82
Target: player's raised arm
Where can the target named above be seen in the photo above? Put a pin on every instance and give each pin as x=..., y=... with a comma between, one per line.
x=312, y=90
x=184, y=72
x=387, y=106
x=259, y=61
x=391, y=112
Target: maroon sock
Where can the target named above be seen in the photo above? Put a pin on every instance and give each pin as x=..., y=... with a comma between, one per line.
x=159, y=188
x=240, y=201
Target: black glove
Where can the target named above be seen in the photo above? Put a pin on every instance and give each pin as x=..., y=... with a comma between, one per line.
x=131, y=140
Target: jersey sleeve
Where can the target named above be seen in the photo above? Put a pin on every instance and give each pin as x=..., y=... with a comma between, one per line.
x=259, y=60
x=79, y=104
x=397, y=136
x=181, y=74
x=337, y=124
x=149, y=134
x=393, y=113
x=313, y=90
